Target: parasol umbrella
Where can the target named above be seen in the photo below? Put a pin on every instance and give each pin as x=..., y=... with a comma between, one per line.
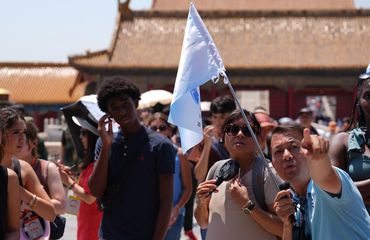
x=85, y=113
x=152, y=97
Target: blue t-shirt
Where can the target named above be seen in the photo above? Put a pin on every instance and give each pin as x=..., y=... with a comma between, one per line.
x=151, y=155
x=337, y=217
x=177, y=184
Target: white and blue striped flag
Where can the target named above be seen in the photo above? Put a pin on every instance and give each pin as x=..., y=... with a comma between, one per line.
x=199, y=63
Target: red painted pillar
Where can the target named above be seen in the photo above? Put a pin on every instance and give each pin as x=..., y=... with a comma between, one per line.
x=290, y=101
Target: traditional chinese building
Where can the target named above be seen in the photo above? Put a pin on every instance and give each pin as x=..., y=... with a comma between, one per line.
x=42, y=88
x=277, y=51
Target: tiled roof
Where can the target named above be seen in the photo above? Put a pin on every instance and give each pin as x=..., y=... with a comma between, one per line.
x=246, y=40
x=170, y=5
x=41, y=83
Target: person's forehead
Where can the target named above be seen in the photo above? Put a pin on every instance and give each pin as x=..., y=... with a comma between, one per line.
x=305, y=115
x=157, y=121
x=119, y=98
x=279, y=139
x=19, y=123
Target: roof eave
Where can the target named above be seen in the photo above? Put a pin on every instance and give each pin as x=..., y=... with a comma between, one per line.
x=250, y=69
x=254, y=13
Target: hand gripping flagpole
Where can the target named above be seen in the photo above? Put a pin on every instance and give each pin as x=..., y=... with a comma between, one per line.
x=259, y=149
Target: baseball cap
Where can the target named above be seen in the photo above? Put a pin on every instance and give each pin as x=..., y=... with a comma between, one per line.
x=304, y=110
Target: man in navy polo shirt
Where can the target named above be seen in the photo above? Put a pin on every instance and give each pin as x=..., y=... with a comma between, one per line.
x=133, y=175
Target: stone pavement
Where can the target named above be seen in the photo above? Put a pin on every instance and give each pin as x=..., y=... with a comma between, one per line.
x=70, y=232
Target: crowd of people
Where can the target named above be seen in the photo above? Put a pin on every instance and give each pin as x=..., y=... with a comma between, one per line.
x=293, y=181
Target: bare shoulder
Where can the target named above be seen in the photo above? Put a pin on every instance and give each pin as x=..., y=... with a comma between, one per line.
x=28, y=174
x=13, y=181
x=49, y=164
x=338, y=149
x=12, y=176
x=25, y=166
x=340, y=138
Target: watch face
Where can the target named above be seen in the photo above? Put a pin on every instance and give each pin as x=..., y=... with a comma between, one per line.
x=248, y=207
x=246, y=211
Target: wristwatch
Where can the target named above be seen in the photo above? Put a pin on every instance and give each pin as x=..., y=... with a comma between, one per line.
x=248, y=207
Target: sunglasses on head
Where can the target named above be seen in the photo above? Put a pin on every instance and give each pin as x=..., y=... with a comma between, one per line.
x=160, y=128
x=233, y=130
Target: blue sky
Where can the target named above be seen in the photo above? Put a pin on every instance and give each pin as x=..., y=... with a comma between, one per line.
x=50, y=31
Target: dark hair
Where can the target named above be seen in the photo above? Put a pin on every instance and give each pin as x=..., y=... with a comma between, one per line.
x=289, y=127
x=235, y=115
x=116, y=86
x=89, y=153
x=159, y=115
x=222, y=104
x=9, y=116
x=31, y=135
x=2, y=139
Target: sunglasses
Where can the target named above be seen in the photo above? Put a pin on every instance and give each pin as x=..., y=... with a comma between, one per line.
x=233, y=130
x=161, y=128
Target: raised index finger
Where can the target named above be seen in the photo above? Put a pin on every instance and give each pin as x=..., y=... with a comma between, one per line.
x=307, y=140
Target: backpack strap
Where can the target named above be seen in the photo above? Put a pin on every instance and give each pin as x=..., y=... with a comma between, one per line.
x=258, y=181
x=17, y=170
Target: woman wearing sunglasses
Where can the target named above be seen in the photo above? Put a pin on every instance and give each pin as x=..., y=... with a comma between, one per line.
x=182, y=179
x=350, y=151
x=230, y=211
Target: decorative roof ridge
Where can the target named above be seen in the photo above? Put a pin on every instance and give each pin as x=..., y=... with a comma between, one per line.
x=252, y=13
x=124, y=13
x=72, y=59
x=32, y=64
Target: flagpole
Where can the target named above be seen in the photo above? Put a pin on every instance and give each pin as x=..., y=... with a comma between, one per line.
x=259, y=149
